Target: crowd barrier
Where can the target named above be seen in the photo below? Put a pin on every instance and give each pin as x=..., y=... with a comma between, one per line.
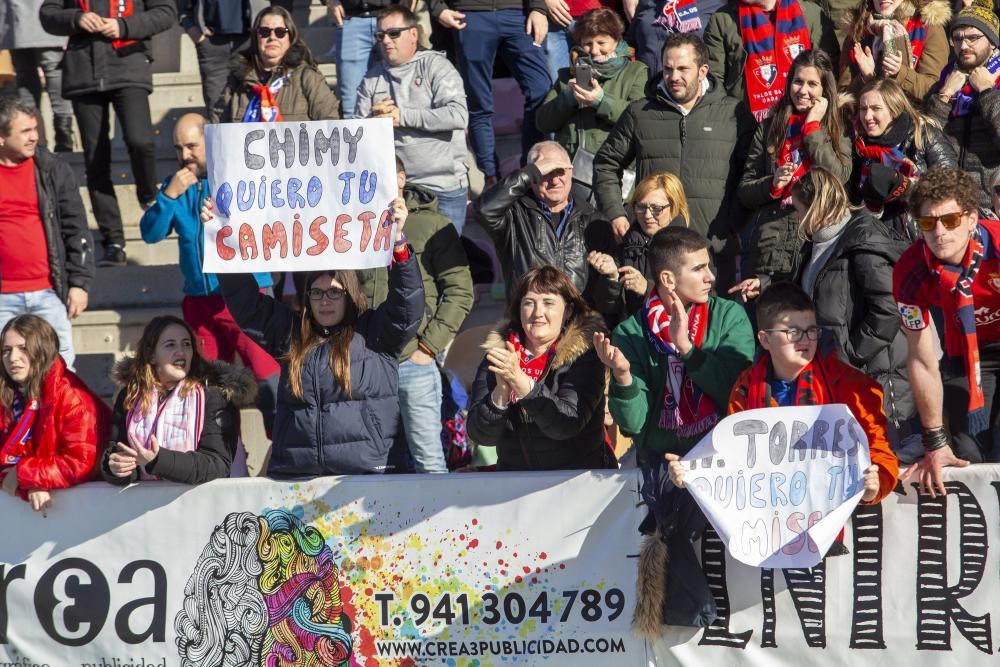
x=468, y=570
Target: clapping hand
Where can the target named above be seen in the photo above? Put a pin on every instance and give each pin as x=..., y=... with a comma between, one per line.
x=505, y=364
x=613, y=358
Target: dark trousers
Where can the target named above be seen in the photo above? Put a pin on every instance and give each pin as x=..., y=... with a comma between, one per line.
x=214, y=54
x=29, y=84
x=982, y=447
x=484, y=34
x=92, y=111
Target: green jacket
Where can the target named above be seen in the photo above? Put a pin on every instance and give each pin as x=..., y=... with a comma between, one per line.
x=559, y=112
x=726, y=55
x=448, y=294
x=728, y=348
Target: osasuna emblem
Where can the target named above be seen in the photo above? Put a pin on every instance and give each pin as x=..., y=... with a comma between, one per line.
x=793, y=49
x=766, y=74
x=994, y=281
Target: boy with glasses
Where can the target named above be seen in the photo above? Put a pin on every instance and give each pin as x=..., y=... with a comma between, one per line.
x=953, y=274
x=966, y=101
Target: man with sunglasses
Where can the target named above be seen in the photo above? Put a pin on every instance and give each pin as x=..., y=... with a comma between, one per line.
x=952, y=274
x=422, y=92
x=966, y=101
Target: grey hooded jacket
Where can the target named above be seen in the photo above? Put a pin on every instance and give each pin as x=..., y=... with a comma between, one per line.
x=433, y=115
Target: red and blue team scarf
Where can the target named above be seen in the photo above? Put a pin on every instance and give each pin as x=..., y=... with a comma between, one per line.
x=533, y=367
x=793, y=152
x=887, y=151
x=679, y=16
x=120, y=9
x=263, y=106
x=18, y=440
x=966, y=97
x=771, y=48
x=686, y=409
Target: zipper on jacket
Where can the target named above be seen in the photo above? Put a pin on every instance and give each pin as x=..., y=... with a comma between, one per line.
x=319, y=408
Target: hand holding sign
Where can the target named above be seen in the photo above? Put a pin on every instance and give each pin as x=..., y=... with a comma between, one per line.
x=675, y=469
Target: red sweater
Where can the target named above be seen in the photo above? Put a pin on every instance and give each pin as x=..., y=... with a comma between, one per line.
x=24, y=255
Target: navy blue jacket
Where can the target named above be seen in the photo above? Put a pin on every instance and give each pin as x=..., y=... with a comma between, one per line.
x=325, y=432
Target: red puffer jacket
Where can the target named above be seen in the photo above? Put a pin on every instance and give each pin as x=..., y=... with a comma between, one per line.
x=70, y=429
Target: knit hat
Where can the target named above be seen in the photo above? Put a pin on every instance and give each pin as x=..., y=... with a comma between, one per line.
x=980, y=15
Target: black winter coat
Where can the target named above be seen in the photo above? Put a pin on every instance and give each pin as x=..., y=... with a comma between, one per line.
x=64, y=220
x=227, y=389
x=559, y=425
x=854, y=302
x=634, y=252
x=92, y=64
x=326, y=432
x=524, y=237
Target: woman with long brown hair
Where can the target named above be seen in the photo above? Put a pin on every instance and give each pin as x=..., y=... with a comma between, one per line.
x=177, y=415
x=52, y=426
x=338, y=399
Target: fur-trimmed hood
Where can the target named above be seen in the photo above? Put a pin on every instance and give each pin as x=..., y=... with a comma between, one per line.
x=237, y=384
x=933, y=12
x=575, y=341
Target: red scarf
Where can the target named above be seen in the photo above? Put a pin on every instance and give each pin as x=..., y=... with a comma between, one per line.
x=811, y=386
x=792, y=151
x=534, y=367
x=120, y=9
x=959, y=310
x=263, y=106
x=916, y=30
x=770, y=52
x=18, y=440
x=686, y=409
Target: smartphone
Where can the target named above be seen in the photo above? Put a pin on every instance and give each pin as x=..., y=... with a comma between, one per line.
x=584, y=76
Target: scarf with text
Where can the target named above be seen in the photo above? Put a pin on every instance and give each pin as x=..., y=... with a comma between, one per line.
x=959, y=310
x=18, y=440
x=120, y=9
x=811, y=387
x=887, y=150
x=966, y=98
x=175, y=421
x=686, y=409
x=679, y=16
x=793, y=152
x=263, y=106
x=771, y=48
x=533, y=367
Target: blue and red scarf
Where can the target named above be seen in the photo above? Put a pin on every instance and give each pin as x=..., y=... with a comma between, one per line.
x=792, y=151
x=966, y=97
x=264, y=105
x=18, y=440
x=771, y=47
x=887, y=151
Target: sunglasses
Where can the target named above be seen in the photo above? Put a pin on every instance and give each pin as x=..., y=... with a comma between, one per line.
x=265, y=33
x=654, y=209
x=393, y=33
x=927, y=223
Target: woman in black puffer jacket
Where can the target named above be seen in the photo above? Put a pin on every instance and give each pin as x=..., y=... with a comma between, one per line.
x=894, y=144
x=338, y=396
x=847, y=269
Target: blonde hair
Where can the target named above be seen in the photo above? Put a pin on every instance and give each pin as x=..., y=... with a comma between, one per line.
x=826, y=199
x=897, y=104
x=672, y=187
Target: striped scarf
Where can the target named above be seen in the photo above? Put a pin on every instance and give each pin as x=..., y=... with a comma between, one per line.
x=965, y=98
x=959, y=310
x=811, y=386
x=771, y=48
x=887, y=151
x=916, y=30
x=679, y=16
x=792, y=152
x=17, y=443
x=176, y=421
x=264, y=105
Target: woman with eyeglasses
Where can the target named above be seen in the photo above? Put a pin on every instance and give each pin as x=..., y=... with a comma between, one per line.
x=894, y=144
x=275, y=78
x=337, y=410
x=903, y=41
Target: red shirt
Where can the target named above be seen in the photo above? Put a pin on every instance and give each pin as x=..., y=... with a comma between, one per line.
x=24, y=253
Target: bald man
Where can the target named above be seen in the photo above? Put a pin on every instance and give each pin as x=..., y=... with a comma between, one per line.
x=176, y=209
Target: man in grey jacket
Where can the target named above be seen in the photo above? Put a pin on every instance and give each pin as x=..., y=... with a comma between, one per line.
x=423, y=94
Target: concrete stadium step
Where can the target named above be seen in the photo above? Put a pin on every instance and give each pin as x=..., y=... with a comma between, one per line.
x=127, y=287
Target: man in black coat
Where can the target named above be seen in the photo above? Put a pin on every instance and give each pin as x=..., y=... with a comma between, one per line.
x=46, y=256
x=107, y=63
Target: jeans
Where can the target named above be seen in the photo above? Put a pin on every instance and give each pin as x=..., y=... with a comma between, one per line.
x=453, y=205
x=29, y=85
x=355, y=52
x=558, y=42
x=48, y=306
x=477, y=44
x=420, y=411
x=94, y=119
x=213, y=63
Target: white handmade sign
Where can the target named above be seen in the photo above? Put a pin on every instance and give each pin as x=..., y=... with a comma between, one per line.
x=778, y=484
x=300, y=196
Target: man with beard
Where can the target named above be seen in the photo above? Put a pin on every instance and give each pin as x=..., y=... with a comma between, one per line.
x=966, y=101
x=176, y=209
x=687, y=126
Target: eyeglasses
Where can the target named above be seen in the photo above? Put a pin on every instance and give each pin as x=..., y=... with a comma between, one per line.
x=331, y=294
x=393, y=33
x=794, y=334
x=927, y=223
x=265, y=33
x=971, y=40
x=656, y=209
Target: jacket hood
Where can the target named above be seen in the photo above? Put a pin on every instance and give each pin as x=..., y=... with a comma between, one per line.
x=237, y=384
x=871, y=235
x=575, y=341
x=420, y=199
x=420, y=56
